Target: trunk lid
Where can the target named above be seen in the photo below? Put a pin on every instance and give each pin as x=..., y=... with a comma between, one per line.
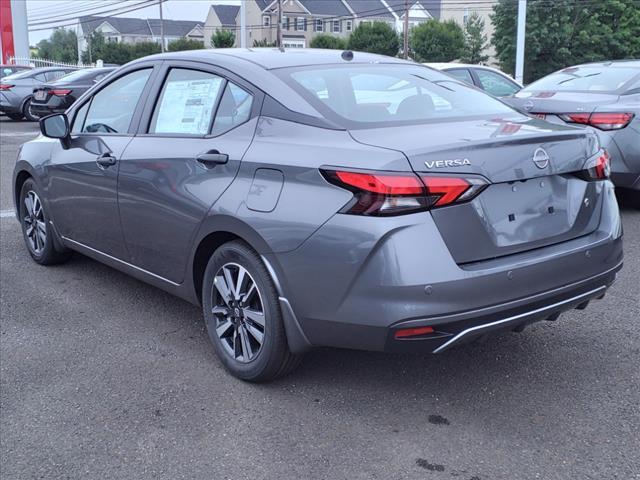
x=526, y=206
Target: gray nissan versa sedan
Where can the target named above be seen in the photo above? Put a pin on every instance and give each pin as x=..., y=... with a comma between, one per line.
x=322, y=198
x=604, y=96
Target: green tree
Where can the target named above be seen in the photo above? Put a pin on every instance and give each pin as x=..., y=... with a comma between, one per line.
x=61, y=46
x=565, y=32
x=475, y=40
x=185, y=44
x=263, y=43
x=223, y=39
x=434, y=41
x=376, y=37
x=117, y=53
x=331, y=42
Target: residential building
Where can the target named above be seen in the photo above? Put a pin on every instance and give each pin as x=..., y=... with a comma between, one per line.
x=460, y=11
x=304, y=19
x=135, y=30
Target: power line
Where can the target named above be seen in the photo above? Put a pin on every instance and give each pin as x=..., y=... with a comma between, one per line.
x=62, y=13
x=147, y=3
x=110, y=10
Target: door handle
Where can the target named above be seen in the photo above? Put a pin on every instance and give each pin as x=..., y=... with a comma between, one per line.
x=106, y=160
x=212, y=158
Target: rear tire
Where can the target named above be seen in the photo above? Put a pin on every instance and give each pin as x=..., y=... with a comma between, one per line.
x=15, y=116
x=36, y=229
x=242, y=313
x=26, y=111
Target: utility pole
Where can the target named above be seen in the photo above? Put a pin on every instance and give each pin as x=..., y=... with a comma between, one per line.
x=279, y=39
x=522, y=27
x=406, y=30
x=161, y=27
x=243, y=25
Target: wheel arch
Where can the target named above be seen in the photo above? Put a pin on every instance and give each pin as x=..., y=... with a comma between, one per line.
x=215, y=231
x=21, y=176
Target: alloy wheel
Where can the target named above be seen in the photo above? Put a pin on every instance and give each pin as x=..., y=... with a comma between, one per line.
x=239, y=312
x=34, y=223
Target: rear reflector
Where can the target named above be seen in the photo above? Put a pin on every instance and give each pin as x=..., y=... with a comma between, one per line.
x=602, y=120
x=413, y=332
x=60, y=93
x=5, y=86
x=386, y=194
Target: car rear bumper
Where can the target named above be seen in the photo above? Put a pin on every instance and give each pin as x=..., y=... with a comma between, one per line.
x=358, y=280
x=43, y=110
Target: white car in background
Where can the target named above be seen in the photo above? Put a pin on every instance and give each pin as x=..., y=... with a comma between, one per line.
x=491, y=80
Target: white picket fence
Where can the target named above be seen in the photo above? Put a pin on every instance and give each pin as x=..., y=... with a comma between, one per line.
x=41, y=62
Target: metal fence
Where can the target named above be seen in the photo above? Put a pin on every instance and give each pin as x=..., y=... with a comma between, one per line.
x=41, y=62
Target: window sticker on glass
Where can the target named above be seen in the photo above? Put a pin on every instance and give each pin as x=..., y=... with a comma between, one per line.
x=187, y=103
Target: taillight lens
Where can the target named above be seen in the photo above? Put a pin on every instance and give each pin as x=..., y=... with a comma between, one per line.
x=603, y=120
x=5, y=86
x=598, y=167
x=386, y=194
x=60, y=92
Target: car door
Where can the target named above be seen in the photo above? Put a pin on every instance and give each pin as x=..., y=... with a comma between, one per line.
x=82, y=178
x=191, y=140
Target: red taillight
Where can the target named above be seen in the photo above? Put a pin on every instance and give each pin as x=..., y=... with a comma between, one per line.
x=413, y=332
x=603, y=120
x=446, y=189
x=384, y=184
x=5, y=86
x=60, y=93
x=598, y=167
x=385, y=194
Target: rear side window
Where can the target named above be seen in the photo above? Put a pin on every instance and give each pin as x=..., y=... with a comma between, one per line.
x=54, y=75
x=234, y=109
x=461, y=74
x=112, y=108
x=187, y=102
x=495, y=84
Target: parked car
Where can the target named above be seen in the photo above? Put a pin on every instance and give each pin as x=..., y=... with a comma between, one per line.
x=489, y=79
x=604, y=96
x=56, y=97
x=6, y=70
x=298, y=212
x=16, y=90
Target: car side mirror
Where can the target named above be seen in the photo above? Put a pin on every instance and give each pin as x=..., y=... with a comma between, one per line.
x=56, y=126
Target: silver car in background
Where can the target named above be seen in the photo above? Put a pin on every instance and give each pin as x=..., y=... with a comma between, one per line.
x=16, y=90
x=605, y=96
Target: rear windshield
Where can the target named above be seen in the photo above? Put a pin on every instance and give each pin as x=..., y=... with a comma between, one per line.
x=586, y=79
x=363, y=96
x=75, y=75
x=20, y=74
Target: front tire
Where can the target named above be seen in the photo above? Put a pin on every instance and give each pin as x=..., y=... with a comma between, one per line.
x=243, y=317
x=36, y=229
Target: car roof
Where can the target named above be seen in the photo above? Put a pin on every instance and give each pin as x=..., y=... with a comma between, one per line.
x=270, y=58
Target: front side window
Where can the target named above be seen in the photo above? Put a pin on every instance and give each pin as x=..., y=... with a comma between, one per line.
x=234, y=109
x=364, y=96
x=112, y=108
x=186, y=103
x=496, y=84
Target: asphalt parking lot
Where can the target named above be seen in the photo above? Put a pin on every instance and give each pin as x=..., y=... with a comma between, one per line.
x=104, y=377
